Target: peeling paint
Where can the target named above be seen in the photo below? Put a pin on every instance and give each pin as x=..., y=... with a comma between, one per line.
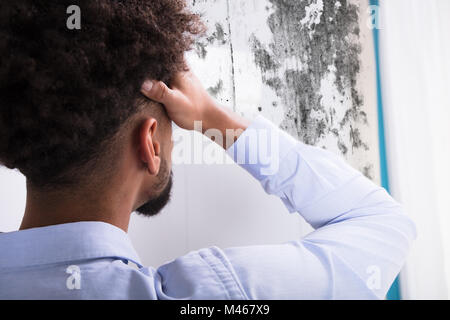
x=313, y=13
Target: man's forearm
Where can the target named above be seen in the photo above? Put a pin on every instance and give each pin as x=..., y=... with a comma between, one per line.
x=230, y=125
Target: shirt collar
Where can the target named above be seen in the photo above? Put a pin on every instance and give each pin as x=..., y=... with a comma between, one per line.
x=65, y=242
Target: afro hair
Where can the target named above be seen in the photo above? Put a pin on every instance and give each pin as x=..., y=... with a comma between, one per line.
x=64, y=92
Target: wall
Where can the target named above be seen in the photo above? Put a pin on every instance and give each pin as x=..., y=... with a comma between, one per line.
x=306, y=65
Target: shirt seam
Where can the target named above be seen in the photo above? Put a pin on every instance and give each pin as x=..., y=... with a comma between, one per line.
x=227, y=264
x=214, y=266
x=218, y=277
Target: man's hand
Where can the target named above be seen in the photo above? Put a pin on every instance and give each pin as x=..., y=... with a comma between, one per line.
x=187, y=101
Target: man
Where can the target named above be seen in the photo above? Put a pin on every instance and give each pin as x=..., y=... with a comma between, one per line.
x=75, y=122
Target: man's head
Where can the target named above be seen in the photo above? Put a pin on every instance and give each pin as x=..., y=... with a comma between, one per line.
x=71, y=115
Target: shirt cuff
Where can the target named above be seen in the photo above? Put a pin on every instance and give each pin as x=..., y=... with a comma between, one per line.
x=261, y=147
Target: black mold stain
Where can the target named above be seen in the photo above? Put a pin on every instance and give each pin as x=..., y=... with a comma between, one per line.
x=200, y=49
x=355, y=138
x=342, y=147
x=334, y=42
x=263, y=58
x=368, y=171
x=219, y=36
x=214, y=91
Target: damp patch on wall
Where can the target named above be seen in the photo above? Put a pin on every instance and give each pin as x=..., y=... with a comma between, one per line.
x=304, y=64
x=324, y=37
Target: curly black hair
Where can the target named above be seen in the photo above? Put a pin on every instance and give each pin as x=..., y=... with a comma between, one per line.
x=64, y=92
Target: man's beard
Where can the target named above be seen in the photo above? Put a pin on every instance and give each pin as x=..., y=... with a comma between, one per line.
x=156, y=204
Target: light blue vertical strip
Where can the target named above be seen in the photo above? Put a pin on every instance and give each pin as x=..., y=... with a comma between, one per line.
x=394, y=291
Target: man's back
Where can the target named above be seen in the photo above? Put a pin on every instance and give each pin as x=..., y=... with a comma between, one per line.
x=95, y=260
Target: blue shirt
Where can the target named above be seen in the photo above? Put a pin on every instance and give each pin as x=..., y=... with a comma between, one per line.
x=359, y=245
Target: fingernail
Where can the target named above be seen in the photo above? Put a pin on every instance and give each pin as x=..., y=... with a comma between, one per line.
x=147, y=86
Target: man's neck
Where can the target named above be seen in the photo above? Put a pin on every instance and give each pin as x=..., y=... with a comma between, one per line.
x=46, y=208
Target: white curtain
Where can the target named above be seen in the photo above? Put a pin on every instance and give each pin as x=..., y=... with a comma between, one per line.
x=415, y=69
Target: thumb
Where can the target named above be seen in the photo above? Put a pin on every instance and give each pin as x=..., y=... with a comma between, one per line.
x=157, y=91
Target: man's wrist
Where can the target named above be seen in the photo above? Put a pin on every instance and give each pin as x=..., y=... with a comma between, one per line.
x=228, y=123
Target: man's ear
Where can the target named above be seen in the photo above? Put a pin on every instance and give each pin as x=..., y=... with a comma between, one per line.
x=149, y=148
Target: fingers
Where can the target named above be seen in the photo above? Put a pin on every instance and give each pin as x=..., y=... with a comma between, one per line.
x=157, y=91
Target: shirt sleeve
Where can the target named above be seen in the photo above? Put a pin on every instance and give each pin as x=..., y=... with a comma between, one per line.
x=359, y=245
x=361, y=237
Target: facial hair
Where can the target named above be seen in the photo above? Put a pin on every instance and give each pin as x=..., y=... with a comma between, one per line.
x=156, y=204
